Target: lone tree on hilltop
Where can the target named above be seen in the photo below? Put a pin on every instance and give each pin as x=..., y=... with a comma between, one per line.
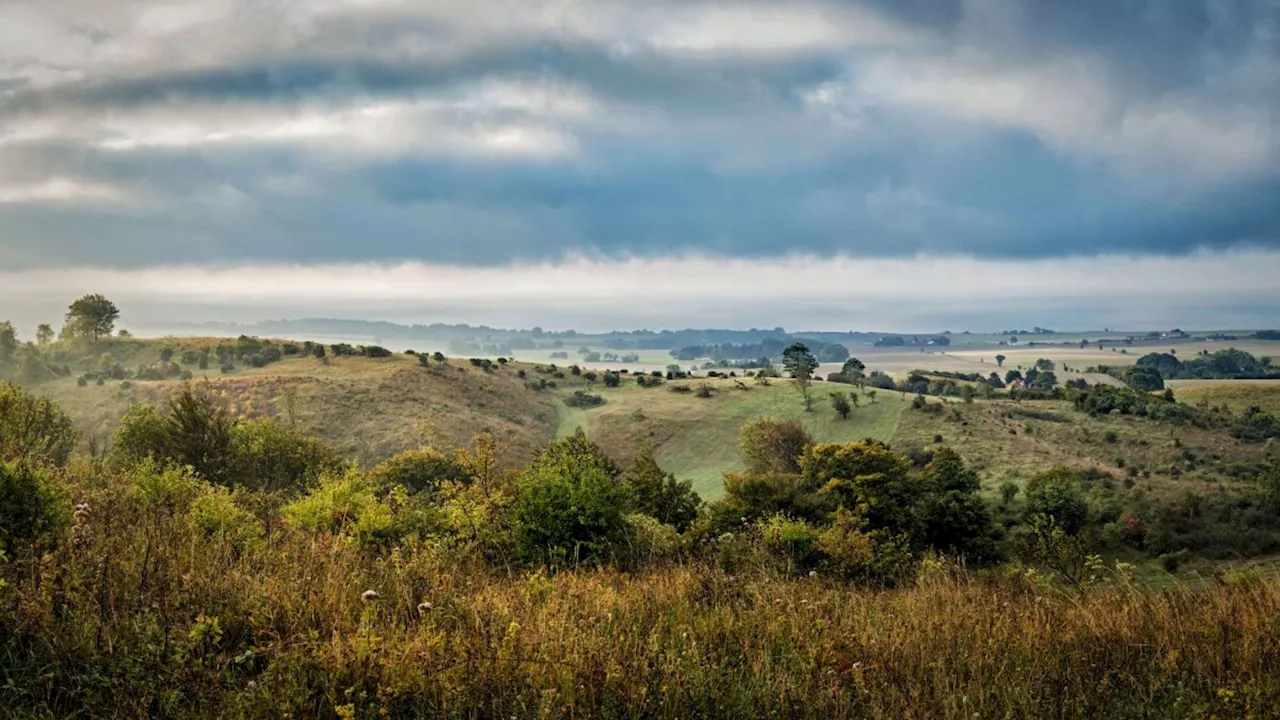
x=801, y=363
x=93, y=315
x=1000, y=360
x=853, y=368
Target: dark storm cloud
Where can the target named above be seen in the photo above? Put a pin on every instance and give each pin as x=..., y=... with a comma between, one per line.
x=489, y=133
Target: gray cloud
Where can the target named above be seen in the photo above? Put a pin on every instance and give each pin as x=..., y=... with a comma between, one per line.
x=136, y=133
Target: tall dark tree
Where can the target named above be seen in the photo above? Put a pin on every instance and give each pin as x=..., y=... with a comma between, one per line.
x=660, y=495
x=1000, y=360
x=801, y=363
x=92, y=315
x=8, y=341
x=44, y=334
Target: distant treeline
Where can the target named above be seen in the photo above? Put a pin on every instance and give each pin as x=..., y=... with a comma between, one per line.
x=770, y=348
x=527, y=339
x=1152, y=369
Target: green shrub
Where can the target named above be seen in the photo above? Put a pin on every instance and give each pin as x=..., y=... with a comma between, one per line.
x=347, y=505
x=418, y=471
x=33, y=506
x=194, y=431
x=1255, y=425
x=793, y=540
x=33, y=427
x=570, y=504
x=647, y=540
x=1057, y=493
x=266, y=455
x=660, y=495
x=769, y=445
x=215, y=515
x=162, y=490
x=583, y=399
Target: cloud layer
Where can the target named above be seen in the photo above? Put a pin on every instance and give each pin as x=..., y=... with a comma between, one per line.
x=500, y=132
x=924, y=294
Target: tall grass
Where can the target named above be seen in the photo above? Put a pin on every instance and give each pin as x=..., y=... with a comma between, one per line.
x=138, y=613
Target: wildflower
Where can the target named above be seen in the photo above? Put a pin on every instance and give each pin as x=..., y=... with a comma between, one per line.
x=424, y=607
x=813, y=573
x=369, y=595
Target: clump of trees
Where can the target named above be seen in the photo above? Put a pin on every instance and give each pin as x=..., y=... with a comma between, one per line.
x=195, y=430
x=583, y=399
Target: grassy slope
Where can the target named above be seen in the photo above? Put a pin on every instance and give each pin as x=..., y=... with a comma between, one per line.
x=1004, y=443
x=697, y=438
x=369, y=409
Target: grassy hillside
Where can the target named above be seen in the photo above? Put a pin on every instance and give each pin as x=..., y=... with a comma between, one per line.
x=1013, y=441
x=697, y=438
x=373, y=408
x=367, y=408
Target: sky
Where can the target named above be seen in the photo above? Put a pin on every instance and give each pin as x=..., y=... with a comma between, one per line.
x=909, y=165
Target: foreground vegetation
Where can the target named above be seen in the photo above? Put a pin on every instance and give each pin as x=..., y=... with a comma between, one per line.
x=293, y=537
x=211, y=566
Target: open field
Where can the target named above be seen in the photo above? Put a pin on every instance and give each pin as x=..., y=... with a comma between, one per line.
x=1235, y=394
x=697, y=438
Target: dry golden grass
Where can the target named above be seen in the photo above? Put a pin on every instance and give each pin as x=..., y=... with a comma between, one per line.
x=369, y=409
x=1238, y=395
x=198, y=630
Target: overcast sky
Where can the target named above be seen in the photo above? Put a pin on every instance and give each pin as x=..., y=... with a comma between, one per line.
x=887, y=164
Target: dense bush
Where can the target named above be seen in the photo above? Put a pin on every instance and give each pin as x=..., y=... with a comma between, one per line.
x=1057, y=493
x=195, y=431
x=1255, y=425
x=1105, y=400
x=347, y=505
x=570, y=504
x=773, y=446
x=660, y=495
x=418, y=471
x=33, y=506
x=33, y=426
x=583, y=399
x=265, y=455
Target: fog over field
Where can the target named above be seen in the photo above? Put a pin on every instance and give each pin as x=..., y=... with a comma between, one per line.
x=922, y=294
